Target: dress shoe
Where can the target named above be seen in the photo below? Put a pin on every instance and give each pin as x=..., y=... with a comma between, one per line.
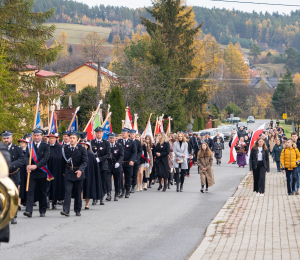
x=86, y=207
x=94, y=202
x=149, y=185
x=159, y=187
x=116, y=197
x=202, y=190
x=14, y=221
x=63, y=213
x=78, y=214
x=28, y=214
x=19, y=208
x=164, y=189
x=108, y=198
x=177, y=187
x=181, y=187
x=132, y=190
x=101, y=202
x=42, y=215
x=171, y=182
x=127, y=194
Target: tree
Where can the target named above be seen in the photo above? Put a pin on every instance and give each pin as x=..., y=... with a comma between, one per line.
x=292, y=55
x=23, y=34
x=117, y=109
x=284, y=98
x=255, y=51
x=93, y=46
x=70, y=50
x=232, y=108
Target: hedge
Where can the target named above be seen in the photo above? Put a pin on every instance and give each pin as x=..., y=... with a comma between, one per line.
x=215, y=123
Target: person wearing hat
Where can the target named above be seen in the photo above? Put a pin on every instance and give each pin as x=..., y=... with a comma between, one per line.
x=17, y=161
x=130, y=152
x=139, y=151
x=56, y=188
x=83, y=137
x=23, y=173
x=92, y=186
x=66, y=138
x=101, y=149
x=115, y=165
x=74, y=165
x=38, y=178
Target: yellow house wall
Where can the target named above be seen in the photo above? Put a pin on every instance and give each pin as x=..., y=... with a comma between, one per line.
x=85, y=76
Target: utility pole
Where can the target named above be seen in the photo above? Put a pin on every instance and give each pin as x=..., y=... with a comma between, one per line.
x=98, y=81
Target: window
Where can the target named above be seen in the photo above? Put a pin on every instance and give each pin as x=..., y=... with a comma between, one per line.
x=72, y=87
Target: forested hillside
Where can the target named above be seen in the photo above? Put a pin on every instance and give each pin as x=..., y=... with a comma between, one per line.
x=225, y=25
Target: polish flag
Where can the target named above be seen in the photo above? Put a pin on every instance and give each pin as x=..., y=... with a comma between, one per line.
x=161, y=127
x=128, y=119
x=169, y=127
x=156, y=130
x=232, y=149
x=255, y=136
x=148, y=129
x=90, y=131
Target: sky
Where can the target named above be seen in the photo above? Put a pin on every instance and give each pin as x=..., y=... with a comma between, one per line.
x=210, y=4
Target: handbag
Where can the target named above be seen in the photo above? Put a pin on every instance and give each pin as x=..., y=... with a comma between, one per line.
x=180, y=161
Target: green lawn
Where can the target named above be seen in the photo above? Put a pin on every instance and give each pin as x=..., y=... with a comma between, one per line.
x=77, y=31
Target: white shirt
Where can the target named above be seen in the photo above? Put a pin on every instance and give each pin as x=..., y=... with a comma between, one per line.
x=9, y=146
x=73, y=147
x=124, y=141
x=112, y=145
x=98, y=141
x=38, y=144
x=259, y=154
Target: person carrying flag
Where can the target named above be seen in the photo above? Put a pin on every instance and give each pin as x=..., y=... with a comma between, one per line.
x=38, y=176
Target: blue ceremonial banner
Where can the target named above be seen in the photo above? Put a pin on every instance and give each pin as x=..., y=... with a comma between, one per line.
x=38, y=121
x=53, y=125
x=74, y=125
x=106, y=131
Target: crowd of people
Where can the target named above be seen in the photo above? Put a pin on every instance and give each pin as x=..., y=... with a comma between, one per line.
x=88, y=169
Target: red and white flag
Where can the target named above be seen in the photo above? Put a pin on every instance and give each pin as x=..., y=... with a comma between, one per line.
x=128, y=119
x=232, y=149
x=148, y=129
x=169, y=125
x=156, y=129
x=90, y=131
x=255, y=136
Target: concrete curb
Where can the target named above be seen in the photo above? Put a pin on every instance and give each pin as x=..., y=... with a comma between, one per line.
x=217, y=225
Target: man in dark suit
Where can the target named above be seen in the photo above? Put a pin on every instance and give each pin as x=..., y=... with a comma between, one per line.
x=101, y=149
x=38, y=177
x=139, y=151
x=75, y=160
x=115, y=165
x=17, y=161
x=218, y=136
x=129, y=159
x=210, y=142
x=66, y=138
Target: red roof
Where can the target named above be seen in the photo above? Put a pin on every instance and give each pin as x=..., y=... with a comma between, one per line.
x=45, y=73
x=94, y=66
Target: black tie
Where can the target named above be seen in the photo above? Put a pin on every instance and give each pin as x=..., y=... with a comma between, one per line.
x=72, y=149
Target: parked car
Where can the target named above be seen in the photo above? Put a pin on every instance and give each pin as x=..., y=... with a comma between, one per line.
x=236, y=120
x=250, y=119
x=242, y=124
x=229, y=120
x=226, y=131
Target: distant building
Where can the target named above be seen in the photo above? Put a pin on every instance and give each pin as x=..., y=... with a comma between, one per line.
x=271, y=82
x=247, y=61
x=87, y=74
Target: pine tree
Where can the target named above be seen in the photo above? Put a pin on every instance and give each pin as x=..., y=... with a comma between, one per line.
x=117, y=109
x=70, y=50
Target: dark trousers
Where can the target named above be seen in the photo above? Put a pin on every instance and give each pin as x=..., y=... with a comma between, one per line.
x=278, y=166
x=41, y=185
x=152, y=175
x=134, y=174
x=69, y=186
x=182, y=174
x=128, y=176
x=259, y=176
x=116, y=175
x=145, y=180
x=121, y=185
x=104, y=180
x=291, y=174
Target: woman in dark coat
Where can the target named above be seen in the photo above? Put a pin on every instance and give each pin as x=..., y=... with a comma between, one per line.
x=92, y=186
x=276, y=152
x=162, y=151
x=259, y=165
x=219, y=146
x=57, y=188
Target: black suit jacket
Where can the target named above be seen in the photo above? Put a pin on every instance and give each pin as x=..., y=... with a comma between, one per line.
x=129, y=151
x=17, y=161
x=79, y=159
x=101, y=151
x=139, y=151
x=43, y=153
x=116, y=156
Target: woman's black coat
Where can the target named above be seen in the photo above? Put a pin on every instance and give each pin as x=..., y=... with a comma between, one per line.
x=161, y=162
x=253, y=159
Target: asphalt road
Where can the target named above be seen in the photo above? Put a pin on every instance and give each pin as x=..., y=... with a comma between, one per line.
x=150, y=225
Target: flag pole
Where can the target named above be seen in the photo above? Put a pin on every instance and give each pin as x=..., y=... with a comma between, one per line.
x=73, y=118
x=51, y=120
x=34, y=124
x=93, y=115
x=107, y=117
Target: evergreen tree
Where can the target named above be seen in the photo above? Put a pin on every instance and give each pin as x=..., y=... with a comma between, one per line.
x=117, y=109
x=70, y=50
x=284, y=99
x=255, y=51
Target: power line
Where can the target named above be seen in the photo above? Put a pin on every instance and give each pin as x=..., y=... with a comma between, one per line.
x=255, y=3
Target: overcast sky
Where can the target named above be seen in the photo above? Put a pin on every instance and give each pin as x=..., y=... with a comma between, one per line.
x=209, y=4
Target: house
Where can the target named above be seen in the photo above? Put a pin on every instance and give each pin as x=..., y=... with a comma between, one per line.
x=272, y=82
x=87, y=74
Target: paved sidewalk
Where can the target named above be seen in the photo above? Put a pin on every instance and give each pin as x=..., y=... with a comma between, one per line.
x=250, y=227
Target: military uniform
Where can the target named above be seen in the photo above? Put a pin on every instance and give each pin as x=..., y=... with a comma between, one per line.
x=115, y=167
x=75, y=158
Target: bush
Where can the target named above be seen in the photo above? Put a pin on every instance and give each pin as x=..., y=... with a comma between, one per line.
x=201, y=123
x=195, y=125
x=215, y=123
